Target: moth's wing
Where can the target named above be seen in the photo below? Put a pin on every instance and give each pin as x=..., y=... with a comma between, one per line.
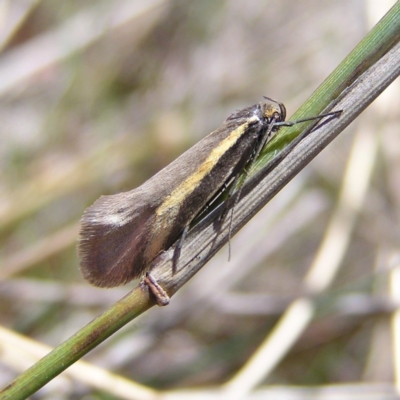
x=112, y=240
x=121, y=234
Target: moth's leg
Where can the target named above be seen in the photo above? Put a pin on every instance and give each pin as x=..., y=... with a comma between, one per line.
x=231, y=183
x=159, y=293
x=204, y=210
x=178, y=248
x=231, y=200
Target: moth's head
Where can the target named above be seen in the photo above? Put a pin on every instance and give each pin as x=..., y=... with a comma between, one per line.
x=273, y=111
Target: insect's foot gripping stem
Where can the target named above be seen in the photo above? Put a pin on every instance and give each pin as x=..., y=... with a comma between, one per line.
x=159, y=293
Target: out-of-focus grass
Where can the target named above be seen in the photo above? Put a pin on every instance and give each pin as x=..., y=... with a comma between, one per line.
x=97, y=96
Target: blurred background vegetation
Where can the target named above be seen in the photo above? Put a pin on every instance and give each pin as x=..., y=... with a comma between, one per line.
x=97, y=96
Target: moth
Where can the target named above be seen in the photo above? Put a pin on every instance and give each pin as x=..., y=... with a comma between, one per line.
x=121, y=234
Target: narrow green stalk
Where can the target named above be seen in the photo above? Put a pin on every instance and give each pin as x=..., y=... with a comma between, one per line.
x=74, y=348
x=371, y=48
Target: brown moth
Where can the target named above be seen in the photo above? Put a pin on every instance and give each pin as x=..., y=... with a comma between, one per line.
x=121, y=234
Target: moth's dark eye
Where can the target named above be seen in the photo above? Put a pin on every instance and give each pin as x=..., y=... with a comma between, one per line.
x=277, y=116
